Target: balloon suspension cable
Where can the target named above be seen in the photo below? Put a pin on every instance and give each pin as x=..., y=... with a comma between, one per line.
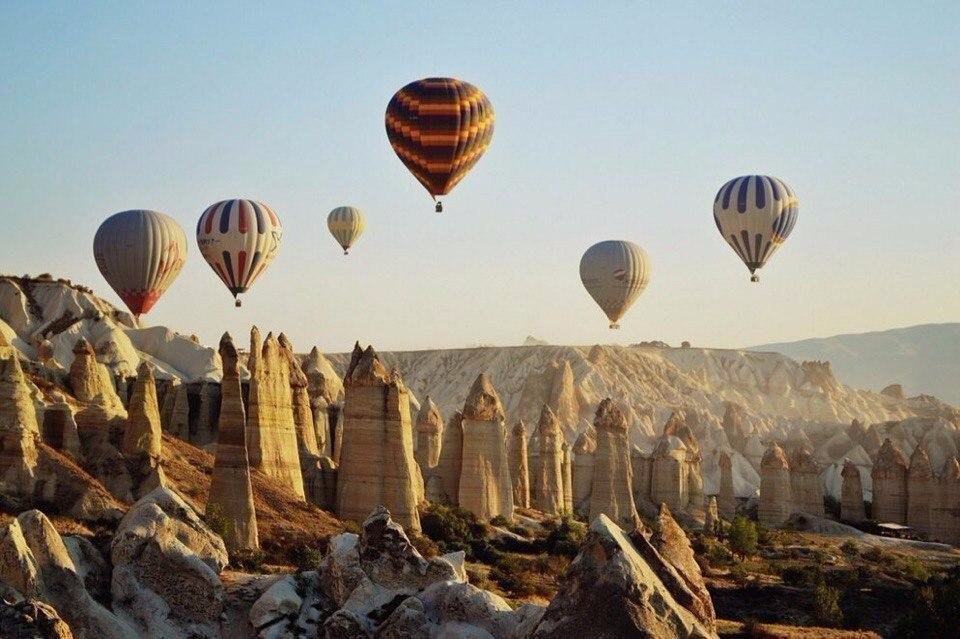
x=439, y=207
x=754, y=278
x=614, y=325
x=237, y=303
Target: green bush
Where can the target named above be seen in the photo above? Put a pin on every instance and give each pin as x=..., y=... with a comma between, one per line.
x=743, y=536
x=934, y=610
x=850, y=548
x=454, y=529
x=801, y=576
x=565, y=536
x=915, y=570
x=826, y=605
x=500, y=521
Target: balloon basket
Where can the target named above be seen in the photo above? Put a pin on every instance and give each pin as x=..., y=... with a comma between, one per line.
x=439, y=207
x=237, y=303
x=754, y=278
x=346, y=252
x=614, y=326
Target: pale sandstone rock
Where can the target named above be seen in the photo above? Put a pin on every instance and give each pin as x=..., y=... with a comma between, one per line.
x=642, y=466
x=668, y=473
x=921, y=491
x=166, y=566
x=805, y=482
x=550, y=477
x=429, y=435
x=32, y=619
x=231, y=491
x=59, y=427
x=17, y=409
x=712, y=525
x=377, y=464
x=519, y=468
x=726, y=501
x=584, y=456
x=486, y=488
x=674, y=546
x=204, y=432
x=611, y=491
x=35, y=562
x=168, y=404
x=681, y=424
x=450, y=462
x=303, y=419
x=320, y=482
x=611, y=591
x=733, y=425
x=564, y=400
x=776, y=501
x=567, y=468
x=18, y=431
x=142, y=437
x=852, y=508
x=271, y=433
x=90, y=380
x=179, y=424
x=890, y=484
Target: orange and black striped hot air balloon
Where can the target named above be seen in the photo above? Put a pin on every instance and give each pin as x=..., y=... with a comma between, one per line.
x=439, y=128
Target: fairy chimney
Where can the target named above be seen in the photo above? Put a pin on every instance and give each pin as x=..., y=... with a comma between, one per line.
x=726, y=500
x=584, y=460
x=805, y=482
x=486, y=488
x=18, y=430
x=776, y=501
x=446, y=488
x=231, y=492
x=429, y=435
x=550, y=464
x=852, y=508
x=302, y=412
x=519, y=470
x=944, y=513
x=890, y=484
x=90, y=380
x=920, y=489
x=611, y=491
x=142, y=437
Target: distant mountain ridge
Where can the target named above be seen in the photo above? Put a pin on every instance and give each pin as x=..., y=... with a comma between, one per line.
x=923, y=358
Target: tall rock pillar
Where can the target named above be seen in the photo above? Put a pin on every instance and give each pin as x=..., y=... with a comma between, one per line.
x=612, y=487
x=727, y=500
x=550, y=467
x=890, y=484
x=486, y=488
x=519, y=470
x=776, y=501
x=852, y=508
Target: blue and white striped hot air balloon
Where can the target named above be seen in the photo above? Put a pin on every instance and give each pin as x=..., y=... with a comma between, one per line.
x=755, y=214
x=238, y=239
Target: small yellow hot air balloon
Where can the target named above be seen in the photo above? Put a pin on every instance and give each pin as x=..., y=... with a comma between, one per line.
x=346, y=224
x=615, y=273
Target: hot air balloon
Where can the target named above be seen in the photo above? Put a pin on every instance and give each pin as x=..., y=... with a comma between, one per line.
x=239, y=239
x=615, y=273
x=346, y=224
x=140, y=253
x=755, y=214
x=439, y=128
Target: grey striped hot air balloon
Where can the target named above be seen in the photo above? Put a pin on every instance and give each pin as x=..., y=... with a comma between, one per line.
x=755, y=214
x=140, y=253
x=346, y=224
x=615, y=273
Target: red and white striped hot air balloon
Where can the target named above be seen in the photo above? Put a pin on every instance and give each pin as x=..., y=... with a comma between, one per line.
x=140, y=253
x=238, y=239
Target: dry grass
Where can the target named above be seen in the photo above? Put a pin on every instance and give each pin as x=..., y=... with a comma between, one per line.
x=727, y=628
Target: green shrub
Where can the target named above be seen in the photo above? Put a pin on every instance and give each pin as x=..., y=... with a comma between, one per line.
x=454, y=529
x=915, y=570
x=743, y=536
x=424, y=545
x=850, y=548
x=826, y=605
x=217, y=521
x=565, y=536
x=306, y=557
x=500, y=521
x=801, y=576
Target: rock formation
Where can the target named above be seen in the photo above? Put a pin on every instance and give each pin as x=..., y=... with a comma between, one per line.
x=271, y=432
x=326, y=400
x=550, y=464
x=890, y=485
x=733, y=425
x=668, y=473
x=18, y=431
x=852, y=508
x=179, y=422
x=712, y=525
x=519, y=470
x=564, y=401
x=303, y=420
x=32, y=619
x=429, y=435
x=681, y=425
x=90, y=380
x=377, y=466
x=567, y=469
x=231, y=492
x=726, y=500
x=16, y=405
x=166, y=566
x=584, y=459
x=142, y=437
x=615, y=588
x=776, y=501
x=805, y=482
x=486, y=488
x=447, y=487
x=920, y=491
x=945, y=510
x=59, y=428
x=611, y=491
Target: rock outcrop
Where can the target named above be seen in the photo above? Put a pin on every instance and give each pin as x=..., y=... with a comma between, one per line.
x=712, y=525
x=231, y=491
x=142, y=437
x=852, y=508
x=166, y=566
x=726, y=500
x=614, y=589
x=890, y=484
x=611, y=491
x=549, y=480
x=486, y=488
x=90, y=380
x=805, y=483
x=18, y=431
x=584, y=459
x=776, y=501
x=16, y=406
x=303, y=419
x=446, y=488
x=59, y=427
x=377, y=466
x=429, y=435
x=920, y=491
x=668, y=473
x=567, y=468
x=945, y=512
x=32, y=619
x=519, y=467
x=271, y=432
x=179, y=423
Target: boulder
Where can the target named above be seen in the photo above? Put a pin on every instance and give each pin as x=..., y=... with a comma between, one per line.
x=32, y=619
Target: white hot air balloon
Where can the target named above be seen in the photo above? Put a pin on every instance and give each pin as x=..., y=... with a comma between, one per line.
x=140, y=253
x=755, y=214
x=346, y=224
x=615, y=273
x=238, y=239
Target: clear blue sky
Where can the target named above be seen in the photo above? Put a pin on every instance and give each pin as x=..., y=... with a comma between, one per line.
x=613, y=121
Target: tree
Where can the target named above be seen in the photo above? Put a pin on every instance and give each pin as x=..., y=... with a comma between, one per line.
x=743, y=536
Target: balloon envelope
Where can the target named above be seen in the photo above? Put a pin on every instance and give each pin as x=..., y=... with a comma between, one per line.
x=346, y=224
x=140, y=253
x=615, y=273
x=755, y=214
x=238, y=239
x=439, y=128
